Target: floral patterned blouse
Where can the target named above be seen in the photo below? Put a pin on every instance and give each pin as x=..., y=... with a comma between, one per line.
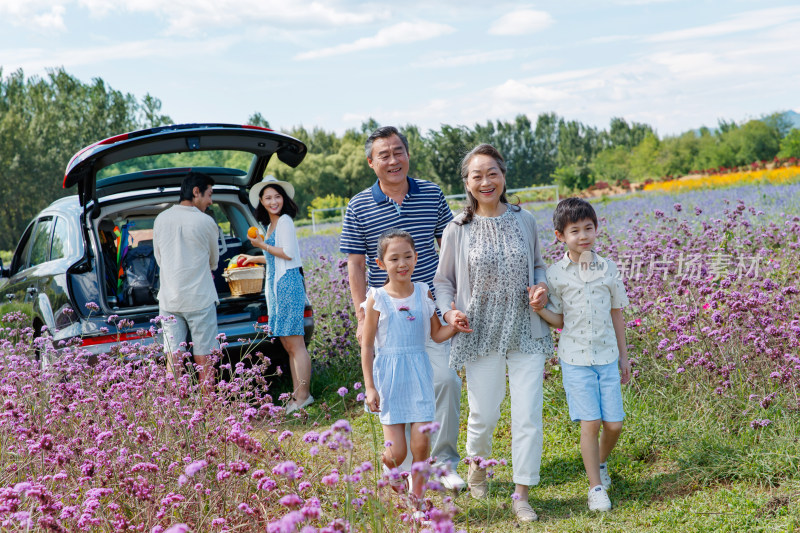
x=498, y=311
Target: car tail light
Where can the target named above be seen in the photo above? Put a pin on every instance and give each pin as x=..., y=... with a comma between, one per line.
x=262, y=319
x=116, y=337
x=251, y=127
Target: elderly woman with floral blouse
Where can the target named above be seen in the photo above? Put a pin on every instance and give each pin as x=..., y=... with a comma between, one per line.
x=489, y=262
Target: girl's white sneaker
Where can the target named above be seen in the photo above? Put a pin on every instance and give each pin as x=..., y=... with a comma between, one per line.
x=598, y=499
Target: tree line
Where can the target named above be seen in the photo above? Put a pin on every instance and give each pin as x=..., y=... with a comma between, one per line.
x=45, y=120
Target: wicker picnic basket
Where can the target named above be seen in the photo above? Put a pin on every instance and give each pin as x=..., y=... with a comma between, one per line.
x=244, y=280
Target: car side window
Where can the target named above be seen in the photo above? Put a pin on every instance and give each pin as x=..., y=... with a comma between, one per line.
x=40, y=251
x=221, y=218
x=20, y=260
x=60, y=246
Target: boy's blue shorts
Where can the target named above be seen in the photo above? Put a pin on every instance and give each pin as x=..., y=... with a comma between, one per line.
x=593, y=392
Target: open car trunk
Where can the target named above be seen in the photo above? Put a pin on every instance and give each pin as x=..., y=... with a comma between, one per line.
x=128, y=269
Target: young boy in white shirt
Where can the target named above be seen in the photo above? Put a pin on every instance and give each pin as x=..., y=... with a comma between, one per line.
x=586, y=296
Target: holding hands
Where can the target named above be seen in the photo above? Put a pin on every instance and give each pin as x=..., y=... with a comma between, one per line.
x=457, y=319
x=537, y=296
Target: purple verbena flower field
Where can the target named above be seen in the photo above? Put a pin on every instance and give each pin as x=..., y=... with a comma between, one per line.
x=714, y=318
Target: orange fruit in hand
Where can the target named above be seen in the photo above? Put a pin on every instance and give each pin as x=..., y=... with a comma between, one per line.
x=252, y=232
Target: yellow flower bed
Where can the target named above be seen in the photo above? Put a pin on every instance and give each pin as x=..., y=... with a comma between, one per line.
x=778, y=176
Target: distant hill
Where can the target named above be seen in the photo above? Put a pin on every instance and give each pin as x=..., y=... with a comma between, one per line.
x=793, y=118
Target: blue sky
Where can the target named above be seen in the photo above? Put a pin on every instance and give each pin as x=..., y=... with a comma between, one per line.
x=332, y=64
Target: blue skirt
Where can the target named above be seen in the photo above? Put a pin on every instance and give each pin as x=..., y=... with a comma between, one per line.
x=287, y=317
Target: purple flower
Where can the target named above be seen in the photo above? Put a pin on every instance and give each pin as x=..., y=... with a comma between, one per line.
x=178, y=528
x=291, y=500
x=331, y=479
x=195, y=467
x=342, y=391
x=342, y=425
x=287, y=469
x=431, y=427
x=311, y=436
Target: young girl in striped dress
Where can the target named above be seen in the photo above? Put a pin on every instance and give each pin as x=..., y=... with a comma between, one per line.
x=398, y=376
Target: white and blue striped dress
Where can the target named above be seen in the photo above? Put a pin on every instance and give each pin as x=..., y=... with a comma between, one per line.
x=402, y=371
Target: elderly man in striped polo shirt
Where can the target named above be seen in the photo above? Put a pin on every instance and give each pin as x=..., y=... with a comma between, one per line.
x=419, y=207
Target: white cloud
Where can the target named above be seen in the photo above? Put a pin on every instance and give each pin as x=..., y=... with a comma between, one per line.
x=742, y=22
x=404, y=32
x=51, y=20
x=42, y=15
x=521, y=22
x=695, y=65
x=606, y=39
x=445, y=60
x=520, y=93
x=185, y=17
x=36, y=60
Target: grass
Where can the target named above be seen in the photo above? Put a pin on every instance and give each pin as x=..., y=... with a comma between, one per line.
x=676, y=467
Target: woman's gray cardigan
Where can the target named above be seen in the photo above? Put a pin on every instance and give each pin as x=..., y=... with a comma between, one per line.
x=452, y=276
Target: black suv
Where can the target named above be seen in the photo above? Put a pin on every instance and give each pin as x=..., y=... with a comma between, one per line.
x=76, y=251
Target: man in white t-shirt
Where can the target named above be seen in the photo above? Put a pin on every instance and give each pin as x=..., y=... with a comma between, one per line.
x=185, y=244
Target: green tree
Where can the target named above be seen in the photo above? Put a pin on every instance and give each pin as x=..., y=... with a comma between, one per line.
x=257, y=119
x=676, y=155
x=151, y=113
x=754, y=141
x=790, y=145
x=612, y=165
x=622, y=134
x=643, y=161
x=447, y=147
x=545, y=148
x=43, y=122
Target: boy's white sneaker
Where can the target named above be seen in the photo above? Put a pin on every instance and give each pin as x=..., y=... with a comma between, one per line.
x=598, y=499
x=605, y=477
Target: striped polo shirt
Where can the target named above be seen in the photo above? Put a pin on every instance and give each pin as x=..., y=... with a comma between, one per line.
x=424, y=214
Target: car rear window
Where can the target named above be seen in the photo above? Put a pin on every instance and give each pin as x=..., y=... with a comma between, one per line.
x=210, y=158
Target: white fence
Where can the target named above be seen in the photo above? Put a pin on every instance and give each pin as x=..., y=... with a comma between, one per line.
x=511, y=191
x=315, y=211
